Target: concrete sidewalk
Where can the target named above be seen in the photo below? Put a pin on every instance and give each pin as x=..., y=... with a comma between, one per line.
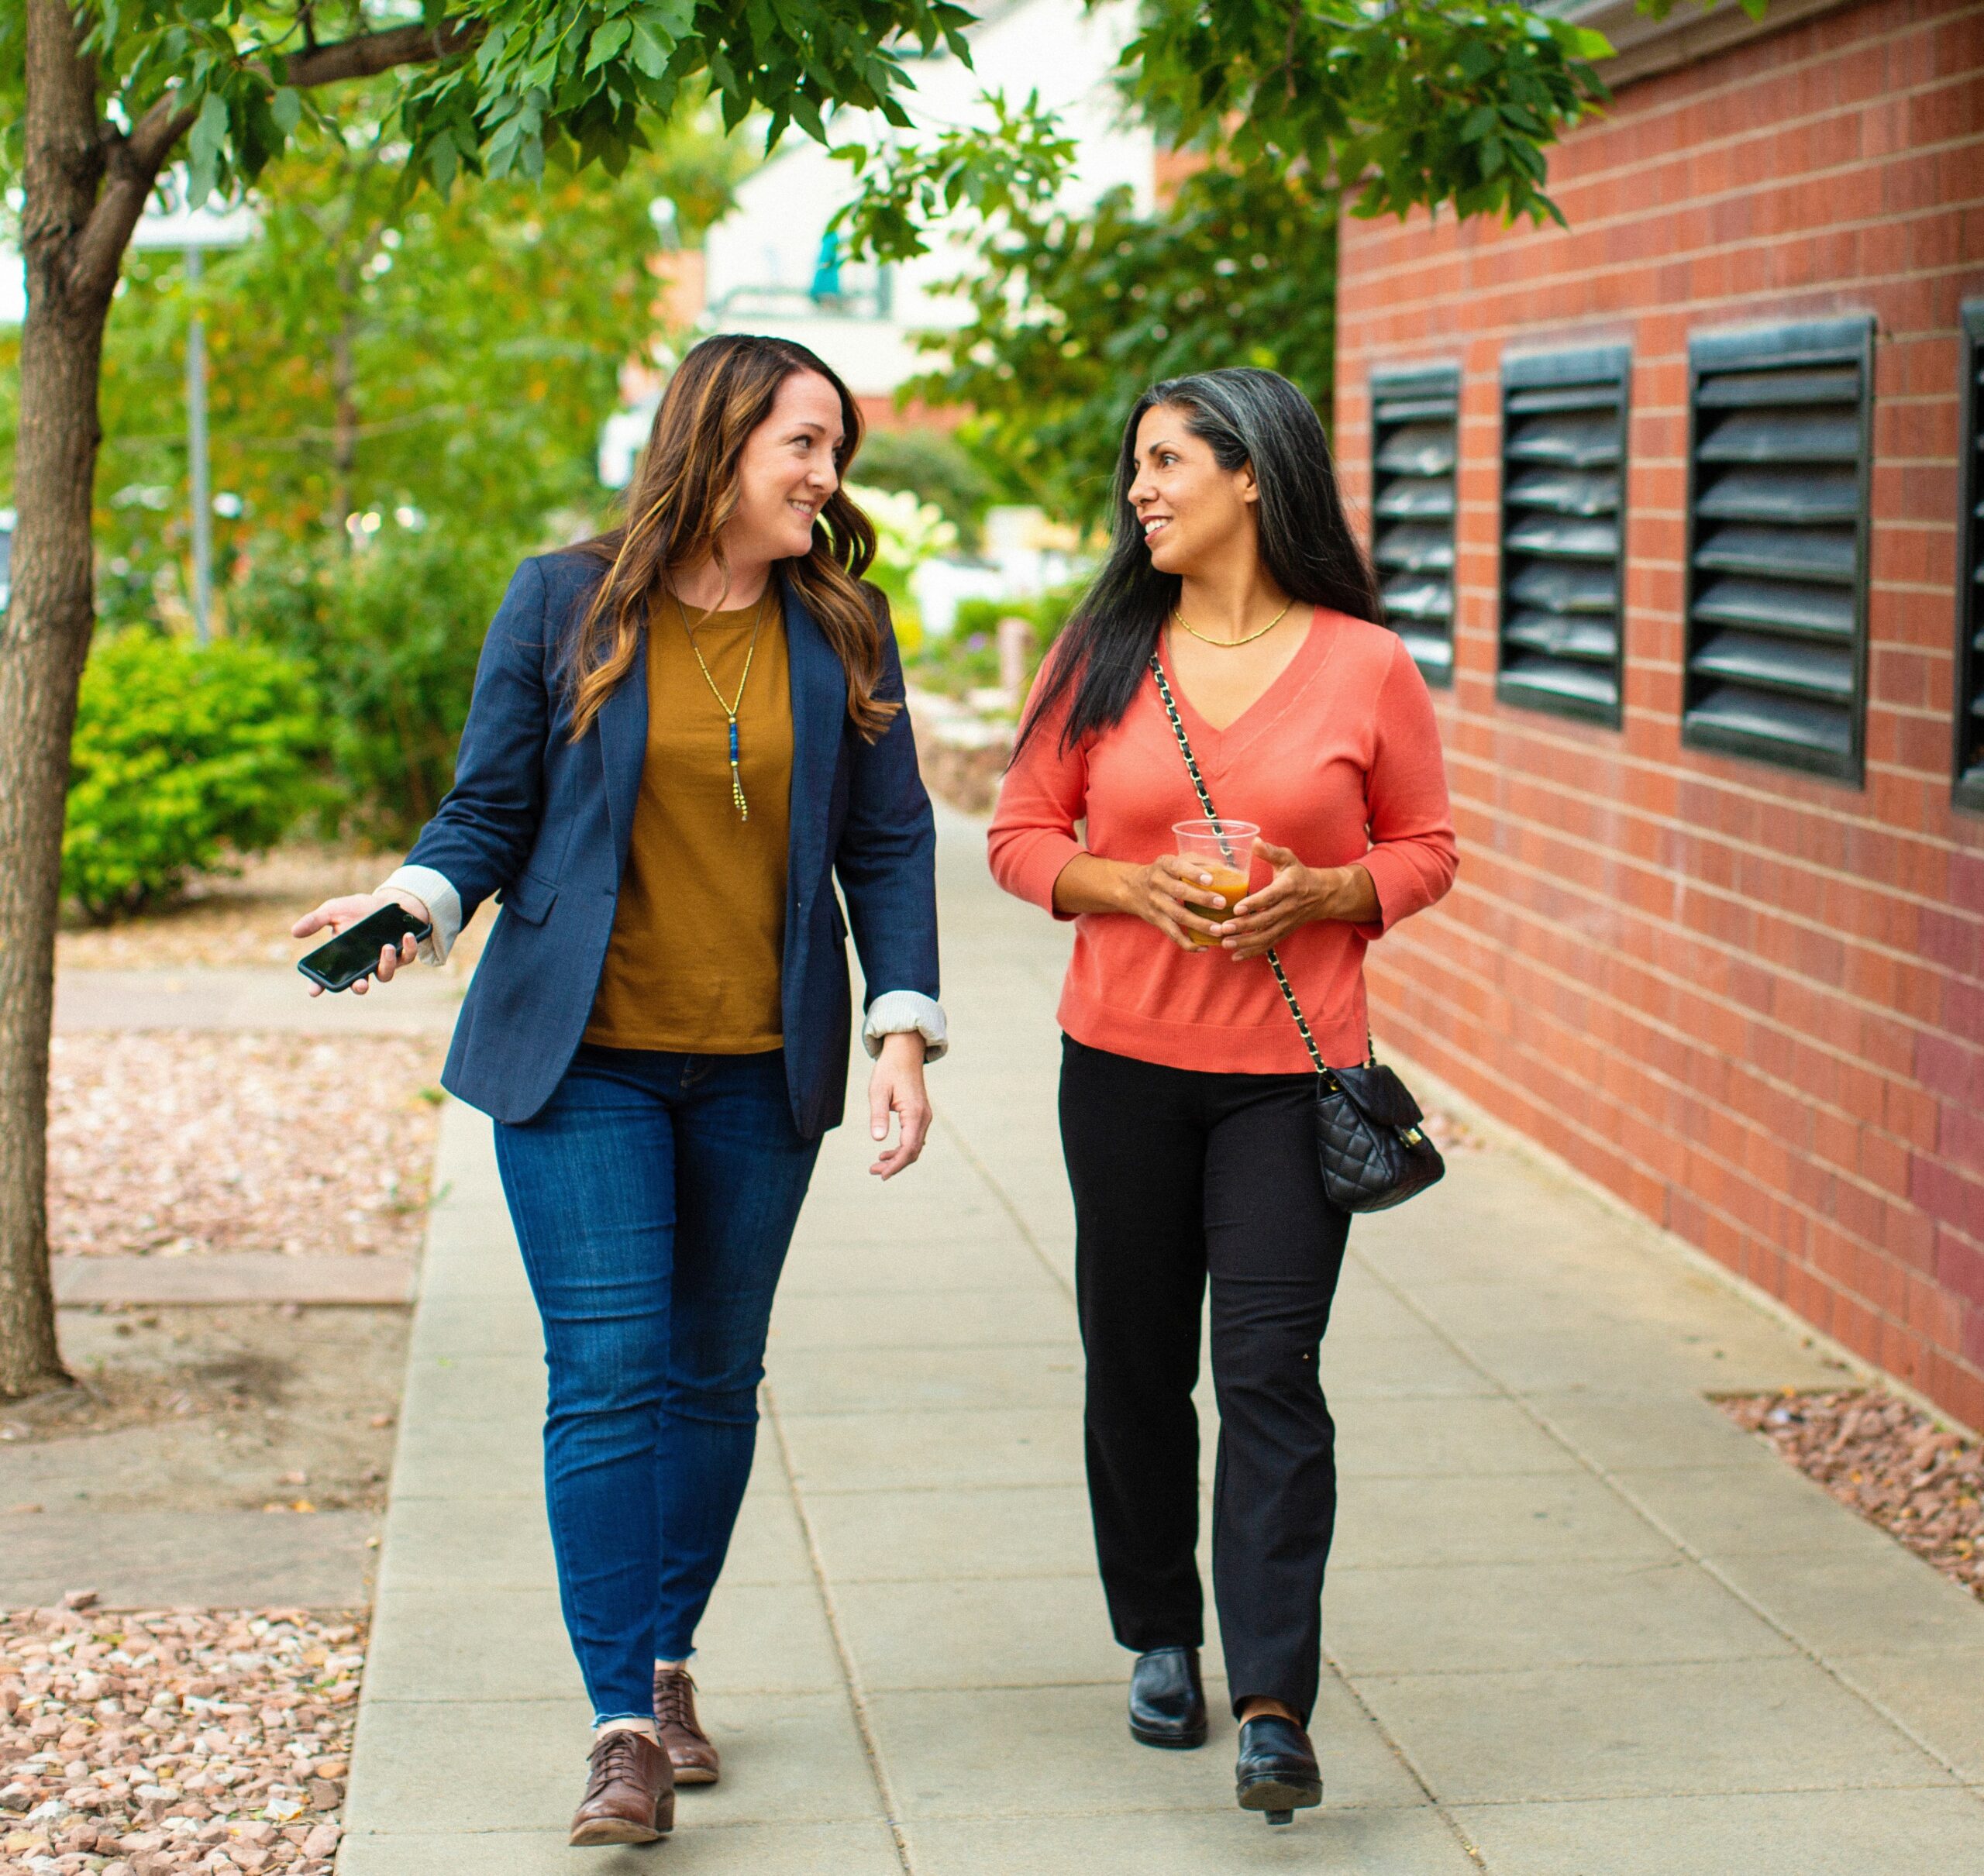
x=1578, y=1622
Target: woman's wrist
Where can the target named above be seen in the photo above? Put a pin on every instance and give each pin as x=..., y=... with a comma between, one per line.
x=904, y=1045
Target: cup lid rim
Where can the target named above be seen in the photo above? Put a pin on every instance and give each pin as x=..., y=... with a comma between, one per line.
x=1204, y=823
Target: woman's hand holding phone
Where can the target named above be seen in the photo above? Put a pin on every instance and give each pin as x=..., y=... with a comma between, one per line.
x=336, y=915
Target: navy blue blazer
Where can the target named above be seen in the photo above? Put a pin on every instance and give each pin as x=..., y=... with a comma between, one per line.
x=543, y=823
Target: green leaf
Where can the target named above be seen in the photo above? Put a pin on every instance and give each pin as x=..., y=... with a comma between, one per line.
x=650, y=53
x=286, y=107
x=606, y=43
x=209, y=132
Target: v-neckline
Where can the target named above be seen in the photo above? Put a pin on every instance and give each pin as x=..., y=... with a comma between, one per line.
x=1314, y=647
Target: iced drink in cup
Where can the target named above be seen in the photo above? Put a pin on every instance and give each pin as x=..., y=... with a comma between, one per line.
x=1224, y=849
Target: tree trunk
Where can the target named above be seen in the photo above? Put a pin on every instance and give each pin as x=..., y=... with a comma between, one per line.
x=44, y=637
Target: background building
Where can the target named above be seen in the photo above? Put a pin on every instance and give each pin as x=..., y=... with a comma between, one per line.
x=1679, y=510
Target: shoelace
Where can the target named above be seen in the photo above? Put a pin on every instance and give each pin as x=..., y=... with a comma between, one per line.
x=673, y=1704
x=614, y=1757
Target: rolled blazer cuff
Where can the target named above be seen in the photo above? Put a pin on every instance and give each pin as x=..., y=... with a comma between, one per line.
x=896, y=1013
x=443, y=904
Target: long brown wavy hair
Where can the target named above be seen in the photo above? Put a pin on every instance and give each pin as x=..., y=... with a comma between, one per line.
x=685, y=491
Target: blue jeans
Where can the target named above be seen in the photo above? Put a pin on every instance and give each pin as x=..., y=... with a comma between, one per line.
x=653, y=1197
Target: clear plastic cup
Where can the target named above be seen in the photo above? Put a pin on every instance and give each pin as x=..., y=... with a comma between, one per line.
x=1224, y=850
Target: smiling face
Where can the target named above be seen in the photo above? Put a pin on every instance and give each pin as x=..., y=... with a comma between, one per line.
x=788, y=468
x=1191, y=511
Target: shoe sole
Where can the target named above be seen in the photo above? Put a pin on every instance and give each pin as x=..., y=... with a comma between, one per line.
x=695, y=1775
x=607, y=1830
x=1169, y=1742
x=1279, y=1795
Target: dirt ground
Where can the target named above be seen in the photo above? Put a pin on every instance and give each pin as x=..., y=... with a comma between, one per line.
x=192, y=1409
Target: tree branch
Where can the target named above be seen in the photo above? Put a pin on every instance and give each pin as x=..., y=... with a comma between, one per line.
x=370, y=53
x=134, y=163
x=135, y=160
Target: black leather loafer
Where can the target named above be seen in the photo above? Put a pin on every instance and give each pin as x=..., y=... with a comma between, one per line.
x=1276, y=1772
x=1167, y=1703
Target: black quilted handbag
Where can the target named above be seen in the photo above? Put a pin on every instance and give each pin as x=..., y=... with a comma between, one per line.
x=1373, y=1151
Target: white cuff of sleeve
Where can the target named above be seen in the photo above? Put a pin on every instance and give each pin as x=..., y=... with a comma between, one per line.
x=443, y=904
x=895, y=1013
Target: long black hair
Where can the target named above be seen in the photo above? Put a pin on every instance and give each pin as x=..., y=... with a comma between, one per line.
x=1248, y=417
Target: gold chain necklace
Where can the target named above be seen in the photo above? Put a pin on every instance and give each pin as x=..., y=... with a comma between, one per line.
x=1228, y=645
x=729, y=709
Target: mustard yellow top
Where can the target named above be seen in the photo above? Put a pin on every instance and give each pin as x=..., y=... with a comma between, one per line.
x=699, y=933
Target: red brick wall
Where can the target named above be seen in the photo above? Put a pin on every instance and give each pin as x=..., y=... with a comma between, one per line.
x=1750, y=1003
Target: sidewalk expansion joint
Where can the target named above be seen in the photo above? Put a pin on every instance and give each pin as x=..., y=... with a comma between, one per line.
x=857, y=1693
x=1012, y=1211
x=1832, y=1670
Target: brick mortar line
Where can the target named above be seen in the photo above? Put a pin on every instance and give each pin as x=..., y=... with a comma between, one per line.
x=1775, y=1025
x=1682, y=766
x=1733, y=90
x=1605, y=1476
x=1864, y=1365
x=1669, y=212
x=1689, y=308
x=1609, y=266
x=1750, y=1181
x=1634, y=768
x=1721, y=1109
x=1637, y=315
x=1725, y=895
x=854, y=1687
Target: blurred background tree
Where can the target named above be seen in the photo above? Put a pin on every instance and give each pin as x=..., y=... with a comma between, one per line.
x=378, y=361
x=1073, y=314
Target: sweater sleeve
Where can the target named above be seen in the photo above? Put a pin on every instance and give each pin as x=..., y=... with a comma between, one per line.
x=1044, y=794
x=1412, y=857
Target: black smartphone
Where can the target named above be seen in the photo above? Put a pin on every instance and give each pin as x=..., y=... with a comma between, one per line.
x=354, y=952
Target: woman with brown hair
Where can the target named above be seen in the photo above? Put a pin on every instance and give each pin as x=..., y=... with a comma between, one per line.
x=682, y=733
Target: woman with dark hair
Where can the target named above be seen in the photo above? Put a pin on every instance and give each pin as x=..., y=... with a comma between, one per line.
x=1187, y=1098
x=682, y=733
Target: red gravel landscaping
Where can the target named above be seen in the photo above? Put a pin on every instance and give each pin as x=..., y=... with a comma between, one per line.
x=1889, y=1461
x=143, y=1744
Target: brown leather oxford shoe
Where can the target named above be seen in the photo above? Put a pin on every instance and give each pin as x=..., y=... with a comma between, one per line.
x=630, y=1792
x=689, y=1751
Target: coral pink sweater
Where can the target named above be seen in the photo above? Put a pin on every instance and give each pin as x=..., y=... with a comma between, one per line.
x=1338, y=759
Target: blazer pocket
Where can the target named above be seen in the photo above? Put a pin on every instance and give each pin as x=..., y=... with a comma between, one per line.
x=529, y=897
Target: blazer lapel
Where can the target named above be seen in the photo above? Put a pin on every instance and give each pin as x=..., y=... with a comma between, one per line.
x=623, y=749
x=819, y=699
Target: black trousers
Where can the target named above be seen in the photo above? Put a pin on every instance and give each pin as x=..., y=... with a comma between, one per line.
x=1180, y=1177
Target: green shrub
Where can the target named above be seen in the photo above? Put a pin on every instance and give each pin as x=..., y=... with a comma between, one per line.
x=391, y=633
x=182, y=756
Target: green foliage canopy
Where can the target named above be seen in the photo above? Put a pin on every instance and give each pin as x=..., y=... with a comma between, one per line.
x=371, y=352
x=1073, y=314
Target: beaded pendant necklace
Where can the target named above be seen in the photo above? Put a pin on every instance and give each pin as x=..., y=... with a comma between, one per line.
x=731, y=709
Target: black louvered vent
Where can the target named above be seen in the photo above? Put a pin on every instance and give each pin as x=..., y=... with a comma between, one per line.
x=1970, y=568
x=1777, y=549
x=1564, y=530
x=1415, y=431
